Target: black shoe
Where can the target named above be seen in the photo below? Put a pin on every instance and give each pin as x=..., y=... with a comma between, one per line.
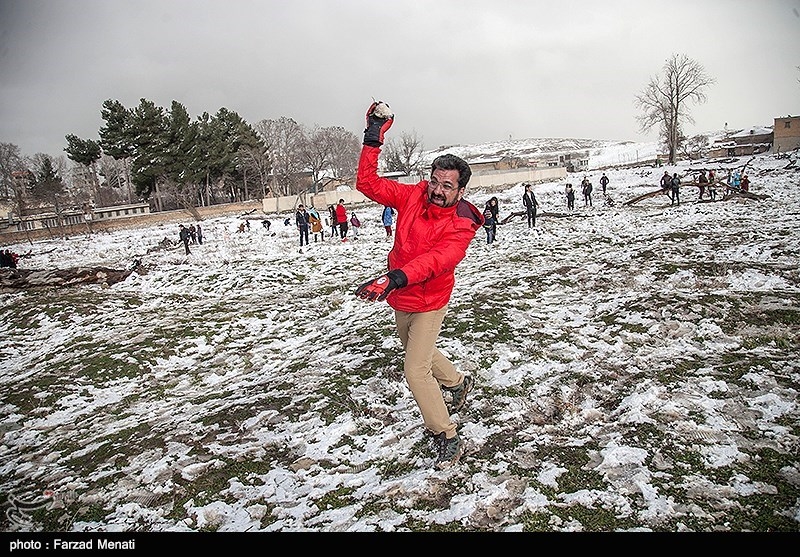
x=459, y=393
x=448, y=450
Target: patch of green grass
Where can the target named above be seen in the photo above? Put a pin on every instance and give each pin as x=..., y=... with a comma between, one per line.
x=62, y=519
x=480, y=316
x=538, y=521
x=593, y=519
x=336, y=499
x=395, y=468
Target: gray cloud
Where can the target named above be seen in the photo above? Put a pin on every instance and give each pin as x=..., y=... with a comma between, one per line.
x=454, y=71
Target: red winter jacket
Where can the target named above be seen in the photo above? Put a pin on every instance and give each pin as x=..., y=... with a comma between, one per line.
x=429, y=240
x=341, y=214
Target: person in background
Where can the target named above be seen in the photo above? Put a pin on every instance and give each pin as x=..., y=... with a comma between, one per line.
x=332, y=220
x=586, y=188
x=490, y=220
x=570, y=191
x=387, y=219
x=355, y=223
x=737, y=180
x=199, y=234
x=193, y=233
x=712, y=186
x=604, y=182
x=675, y=186
x=301, y=217
x=531, y=205
x=702, y=182
x=316, y=224
x=494, y=207
x=666, y=184
x=9, y=259
x=341, y=220
x=745, y=183
x=435, y=225
x=185, y=236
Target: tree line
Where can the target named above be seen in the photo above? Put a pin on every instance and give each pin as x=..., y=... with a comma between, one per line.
x=147, y=152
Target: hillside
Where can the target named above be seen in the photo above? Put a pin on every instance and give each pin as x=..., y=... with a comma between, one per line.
x=601, y=153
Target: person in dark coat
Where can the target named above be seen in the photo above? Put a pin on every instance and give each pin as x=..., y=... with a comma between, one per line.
x=530, y=203
x=493, y=211
x=676, y=189
x=489, y=223
x=570, y=191
x=185, y=237
x=702, y=182
x=666, y=183
x=586, y=188
x=302, y=219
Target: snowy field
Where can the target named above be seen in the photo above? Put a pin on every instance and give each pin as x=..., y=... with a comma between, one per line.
x=636, y=370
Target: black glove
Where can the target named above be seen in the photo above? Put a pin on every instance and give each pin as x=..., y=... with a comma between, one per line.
x=379, y=288
x=379, y=119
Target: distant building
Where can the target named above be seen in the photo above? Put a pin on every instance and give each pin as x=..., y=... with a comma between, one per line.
x=574, y=162
x=49, y=219
x=786, y=134
x=749, y=141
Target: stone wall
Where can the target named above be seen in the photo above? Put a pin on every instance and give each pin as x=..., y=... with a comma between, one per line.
x=251, y=208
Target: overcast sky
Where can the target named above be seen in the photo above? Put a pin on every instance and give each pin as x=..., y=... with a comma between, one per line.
x=454, y=71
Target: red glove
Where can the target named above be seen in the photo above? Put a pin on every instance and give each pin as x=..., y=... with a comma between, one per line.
x=379, y=288
x=379, y=119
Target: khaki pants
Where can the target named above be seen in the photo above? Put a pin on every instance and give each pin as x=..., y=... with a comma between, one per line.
x=426, y=368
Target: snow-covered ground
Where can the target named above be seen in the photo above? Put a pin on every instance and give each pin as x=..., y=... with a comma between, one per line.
x=636, y=369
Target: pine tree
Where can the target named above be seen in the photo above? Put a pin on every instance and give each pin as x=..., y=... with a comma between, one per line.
x=149, y=132
x=116, y=137
x=87, y=153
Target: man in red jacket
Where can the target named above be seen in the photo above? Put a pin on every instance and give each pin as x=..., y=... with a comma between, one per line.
x=434, y=227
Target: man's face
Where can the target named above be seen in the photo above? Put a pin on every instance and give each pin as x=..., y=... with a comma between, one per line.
x=443, y=188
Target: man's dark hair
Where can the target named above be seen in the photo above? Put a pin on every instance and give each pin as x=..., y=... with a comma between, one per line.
x=452, y=162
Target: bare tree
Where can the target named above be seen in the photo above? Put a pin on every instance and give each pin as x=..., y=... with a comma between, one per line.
x=11, y=161
x=345, y=148
x=283, y=139
x=331, y=151
x=315, y=150
x=256, y=160
x=664, y=100
x=404, y=154
x=695, y=147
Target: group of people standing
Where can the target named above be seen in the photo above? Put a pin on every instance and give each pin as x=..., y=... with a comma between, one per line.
x=706, y=182
x=190, y=234
x=586, y=190
x=671, y=185
x=491, y=213
x=338, y=219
